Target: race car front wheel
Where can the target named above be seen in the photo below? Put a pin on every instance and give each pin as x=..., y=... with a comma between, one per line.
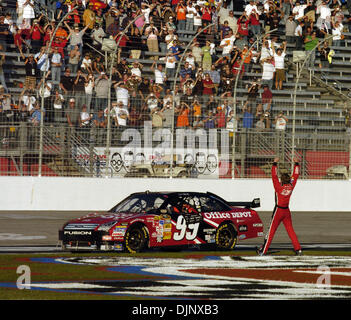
x=226, y=237
x=136, y=238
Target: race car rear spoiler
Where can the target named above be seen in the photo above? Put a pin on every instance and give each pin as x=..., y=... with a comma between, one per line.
x=255, y=203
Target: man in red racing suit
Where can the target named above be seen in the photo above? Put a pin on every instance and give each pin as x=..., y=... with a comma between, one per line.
x=281, y=212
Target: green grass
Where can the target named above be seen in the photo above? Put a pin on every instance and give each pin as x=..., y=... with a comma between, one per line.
x=46, y=272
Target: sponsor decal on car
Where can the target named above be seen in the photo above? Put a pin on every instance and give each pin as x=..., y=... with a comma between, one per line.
x=227, y=215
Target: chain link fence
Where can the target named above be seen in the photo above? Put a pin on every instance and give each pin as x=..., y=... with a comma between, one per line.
x=210, y=138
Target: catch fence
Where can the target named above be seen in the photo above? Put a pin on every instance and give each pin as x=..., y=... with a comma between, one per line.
x=206, y=138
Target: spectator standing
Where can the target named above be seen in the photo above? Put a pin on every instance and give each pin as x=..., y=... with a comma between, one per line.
x=66, y=84
x=299, y=35
x=279, y=57
x=281, y=121
x=56, y=64
x=43, y=61
x=298, y=10
x=72, y=114
x=248, y=118
x=190, y=12
x=97, y=35
x=84, y=122
x=311, y=43
x=160, y=75
x=208, y=87
x=181, y=15
x=324, y=52
x=268, y=70
x=2, y=77
x=79, y=89
x=290, y=27
x=170, y=65
x=89, y=16
x=87, y=64
x=76, y=37
x=74, y=58
x=152, y=39
x=206, y=57
x=99, y=126
x=337, y=33
x=58, y=106
x=31, y=72
x=101, y=91
x=267, y=99
x=36, y=33
x=183, y=115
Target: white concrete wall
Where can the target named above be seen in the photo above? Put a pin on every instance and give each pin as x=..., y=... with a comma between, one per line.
x=34, y=193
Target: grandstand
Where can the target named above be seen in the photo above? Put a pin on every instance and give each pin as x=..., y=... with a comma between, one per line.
x=319, y=132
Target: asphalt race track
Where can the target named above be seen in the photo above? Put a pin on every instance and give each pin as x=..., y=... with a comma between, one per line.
x=40, y=228
x=210, y=277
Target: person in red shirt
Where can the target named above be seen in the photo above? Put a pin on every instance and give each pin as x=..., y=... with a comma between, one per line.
x=208, y=85
x=220, y=118
x=243, y=26
x=281, y=213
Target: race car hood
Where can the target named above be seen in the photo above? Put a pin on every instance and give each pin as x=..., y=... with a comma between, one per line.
x=99, y=218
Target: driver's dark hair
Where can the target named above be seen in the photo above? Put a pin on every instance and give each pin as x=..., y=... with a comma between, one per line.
x=285, y=178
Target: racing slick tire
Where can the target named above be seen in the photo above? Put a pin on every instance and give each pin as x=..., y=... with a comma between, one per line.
x=136, y=238
x=226, y=237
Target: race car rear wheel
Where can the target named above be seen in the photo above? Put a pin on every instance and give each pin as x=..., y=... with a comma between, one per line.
x=226, y=237
x=136, y=239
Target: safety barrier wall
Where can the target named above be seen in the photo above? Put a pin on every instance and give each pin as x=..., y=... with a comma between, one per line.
x=86, y=194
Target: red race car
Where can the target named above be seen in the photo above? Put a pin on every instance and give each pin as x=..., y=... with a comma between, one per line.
x=164, y=219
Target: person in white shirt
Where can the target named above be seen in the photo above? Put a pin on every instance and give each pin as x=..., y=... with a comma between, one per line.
x=325, y=14
x=337, y=33
x=227, y=44
x=281, y=121
x=266, y=51
x=248, y=8
x=120, y=114
x=170, y=38
x=170, y=65
x=88, y=87
x=190, y=12
x=299, y=36
x=279, y=57
x=268, y=72
x=136, y=70
x=28, y=10
x=43, y=61
x=84, y=122
x=56, y=63
x=160, y=75
x=122, y=93
x=223, y=13
x=299, y=10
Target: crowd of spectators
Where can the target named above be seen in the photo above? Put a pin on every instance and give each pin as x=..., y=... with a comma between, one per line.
x=72, y=75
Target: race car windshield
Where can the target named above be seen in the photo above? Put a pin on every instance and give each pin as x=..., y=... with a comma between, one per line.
x=143, y=203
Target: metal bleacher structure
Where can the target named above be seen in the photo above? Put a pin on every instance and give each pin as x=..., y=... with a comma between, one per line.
x=320, y=136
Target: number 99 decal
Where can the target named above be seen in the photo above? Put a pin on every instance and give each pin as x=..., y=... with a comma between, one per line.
x=188, y=231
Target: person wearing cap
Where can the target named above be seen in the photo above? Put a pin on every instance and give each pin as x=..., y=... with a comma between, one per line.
x=89, y=16
x=76, y=37
x=72, y=114
x=290, y=26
